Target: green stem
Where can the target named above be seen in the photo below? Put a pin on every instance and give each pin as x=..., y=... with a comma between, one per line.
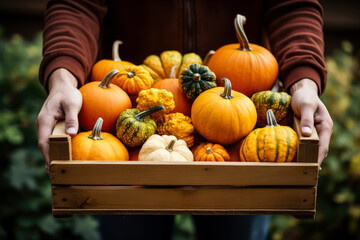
x=95, y=134
x=240, y=33
x=171, y=146
x=140, y=116
x=227, y=90
x=209, y=150
x=271, y=120
x=131, y=74
x=105, y=83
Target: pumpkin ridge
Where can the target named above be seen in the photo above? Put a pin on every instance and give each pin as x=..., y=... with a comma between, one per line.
x=288, y=145
x=277, y=144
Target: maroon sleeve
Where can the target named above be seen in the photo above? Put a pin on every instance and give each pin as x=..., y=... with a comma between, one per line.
x=70, y=38
x=296, y=38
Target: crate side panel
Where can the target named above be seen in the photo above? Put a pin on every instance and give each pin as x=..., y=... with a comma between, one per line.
x=182, y=198
x=195, y=173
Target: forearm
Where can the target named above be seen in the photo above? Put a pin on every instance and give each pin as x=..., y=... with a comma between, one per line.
x=71, y=33
x=296, y=38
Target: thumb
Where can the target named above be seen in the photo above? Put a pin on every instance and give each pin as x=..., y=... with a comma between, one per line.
x=71, y=119
x=307, y=120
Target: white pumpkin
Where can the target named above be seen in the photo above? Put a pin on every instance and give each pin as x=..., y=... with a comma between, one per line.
x=165, y=148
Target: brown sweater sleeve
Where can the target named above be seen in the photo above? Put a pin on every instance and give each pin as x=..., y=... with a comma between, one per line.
x=71, y=34
x=296, y=38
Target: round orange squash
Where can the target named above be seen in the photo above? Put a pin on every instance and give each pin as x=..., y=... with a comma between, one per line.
x=250, y=67
x=223, y=116
x=104, y=66
x=98, y=146
x=211, y=152
x=103, y=100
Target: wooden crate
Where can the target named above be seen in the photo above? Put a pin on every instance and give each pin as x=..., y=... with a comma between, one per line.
x=132, y=187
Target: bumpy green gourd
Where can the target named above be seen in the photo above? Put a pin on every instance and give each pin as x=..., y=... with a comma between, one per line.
x=195, y=80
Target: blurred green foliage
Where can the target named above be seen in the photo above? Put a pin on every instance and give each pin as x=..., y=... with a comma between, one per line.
x=25, y=202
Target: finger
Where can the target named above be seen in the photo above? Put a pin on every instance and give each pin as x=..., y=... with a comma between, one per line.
x=45, y=124
x=324, y=128
x=307, y=112
x=71, y=118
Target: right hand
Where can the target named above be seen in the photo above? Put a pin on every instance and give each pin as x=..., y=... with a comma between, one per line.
x=64, y=101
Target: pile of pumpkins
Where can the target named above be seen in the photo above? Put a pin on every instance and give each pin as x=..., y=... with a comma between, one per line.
x=176, y=107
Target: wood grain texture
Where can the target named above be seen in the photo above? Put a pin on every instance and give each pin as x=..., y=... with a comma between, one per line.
x=308, y=147
x=138, y=198
x=193, y=173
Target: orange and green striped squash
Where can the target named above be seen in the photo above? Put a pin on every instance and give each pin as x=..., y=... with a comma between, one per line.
x=279, y=102
x=273, y=143
x=133, y=127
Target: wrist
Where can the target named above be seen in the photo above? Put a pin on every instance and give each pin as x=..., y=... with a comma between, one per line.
x=305, y=83
x=60, y=78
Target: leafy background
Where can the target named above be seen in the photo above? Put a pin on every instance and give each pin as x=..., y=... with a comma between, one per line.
x=25, y=202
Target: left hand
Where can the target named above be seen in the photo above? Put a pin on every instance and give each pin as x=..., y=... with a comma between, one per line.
x=307, y=105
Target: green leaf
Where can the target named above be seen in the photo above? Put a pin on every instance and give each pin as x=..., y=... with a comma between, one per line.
x=86, y=226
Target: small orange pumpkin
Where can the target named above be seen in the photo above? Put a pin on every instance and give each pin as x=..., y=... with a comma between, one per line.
x=223, y=116
x=211, y=152
x=104, y=66
x=182, y=104
x=98, y=146
x=250, y=67
x=103, y=100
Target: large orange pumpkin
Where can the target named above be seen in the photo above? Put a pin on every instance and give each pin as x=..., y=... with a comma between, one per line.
x=98, y=146
x=250, y=67
x=104, y=66
x=103, y=100
x=223, y=116
x=182, y=104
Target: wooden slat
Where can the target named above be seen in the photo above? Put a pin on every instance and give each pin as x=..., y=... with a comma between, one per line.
x=183, y=198
x=303, y=214
x=193, y=173
x=308, y=147
x=60, y=143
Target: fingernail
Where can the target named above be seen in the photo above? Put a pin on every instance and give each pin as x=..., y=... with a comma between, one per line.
x=71, y=130
x=306, y=130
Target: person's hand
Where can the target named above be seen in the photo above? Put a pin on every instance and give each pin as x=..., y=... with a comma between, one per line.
x=64, y=101
x=307, y=105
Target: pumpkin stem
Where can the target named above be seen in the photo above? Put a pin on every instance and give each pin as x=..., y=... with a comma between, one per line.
x=209, y=150
x=208, y=56
x=131, y=74
x=115, y=49
x=140, y=116
x=105, y=83
x=173, y=71
x=197, y=77
x=171, y=146
x=271, y=120
x=240, y=20
x=95, y=134
x=227, y=90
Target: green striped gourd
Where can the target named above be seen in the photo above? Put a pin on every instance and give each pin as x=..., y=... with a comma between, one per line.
x=279, y=102
x=273, y=143
x=196, y=79
x=134, y=127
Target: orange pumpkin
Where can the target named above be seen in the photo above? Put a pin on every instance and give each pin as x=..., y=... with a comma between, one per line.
x=98, y=146
x=250, y=67
x=104, y=66
x=223, y=116
x=182, y=104
x=103, y=100
x=211, y=152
